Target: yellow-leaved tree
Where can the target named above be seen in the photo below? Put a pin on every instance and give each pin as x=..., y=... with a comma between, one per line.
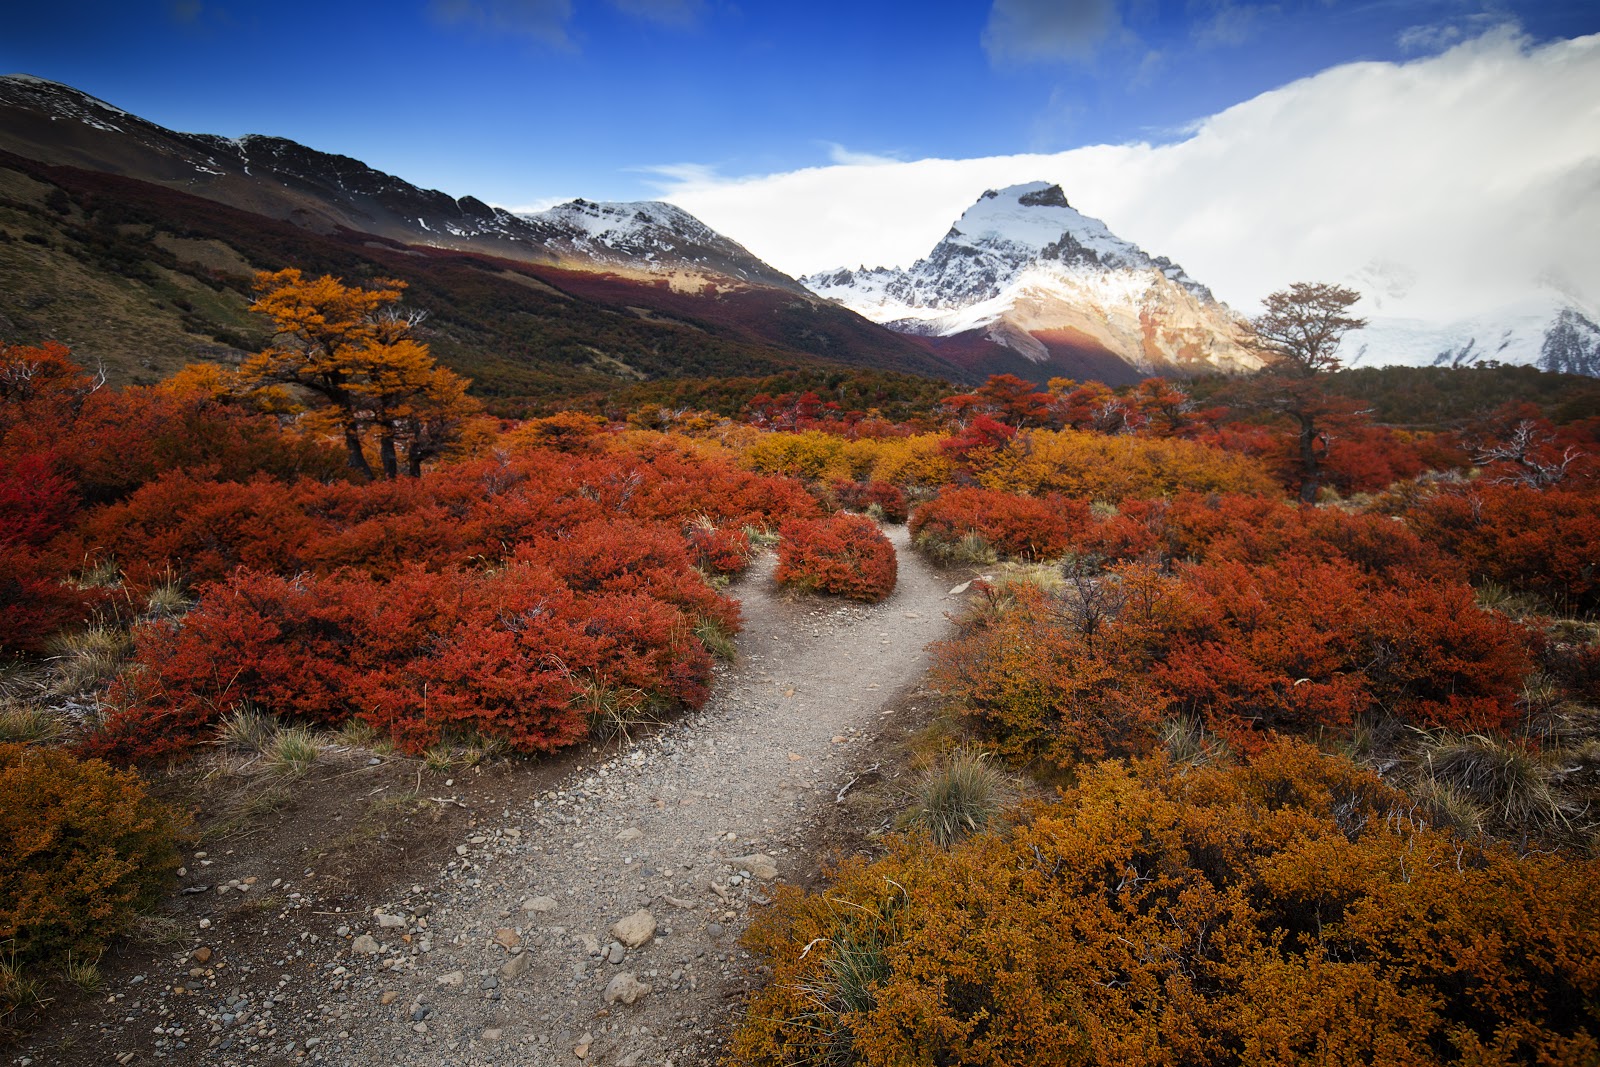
x=353, y=347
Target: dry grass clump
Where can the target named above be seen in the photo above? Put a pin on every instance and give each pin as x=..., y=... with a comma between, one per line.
x=1510, y=783
x=29, y=724
x=963, y=794
x=86, y=660
x=246, y=729
x=291, y=752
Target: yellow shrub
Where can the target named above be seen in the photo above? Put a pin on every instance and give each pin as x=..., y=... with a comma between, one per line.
x=1119, y=468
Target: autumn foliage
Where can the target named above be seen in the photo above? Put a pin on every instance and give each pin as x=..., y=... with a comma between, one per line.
x=83, y=848
x=1291, y=910
x=845, y=555
x=1018, y=526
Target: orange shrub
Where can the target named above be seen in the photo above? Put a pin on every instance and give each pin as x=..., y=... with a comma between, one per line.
x=83, y=848
x=844, y=554
x=1012, y=525
x=1112, y=469
x=1290, y=911
x=1041, y=677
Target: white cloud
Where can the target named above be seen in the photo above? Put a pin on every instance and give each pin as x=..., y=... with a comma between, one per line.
x=1042, y=30
x=849, y=157
x=1478, y=170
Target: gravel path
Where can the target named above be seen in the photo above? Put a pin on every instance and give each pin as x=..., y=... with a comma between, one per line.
x=513, y=953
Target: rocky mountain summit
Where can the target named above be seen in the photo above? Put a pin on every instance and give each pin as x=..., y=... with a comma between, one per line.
x=1025, y=270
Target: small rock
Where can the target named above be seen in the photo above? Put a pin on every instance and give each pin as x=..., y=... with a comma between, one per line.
x=516, y=966
x=581, y=1049
x=389, y=922
x=389, y=996
x=201, y=955
x=365, y=945
x=636, y=929
x=758, y=864
x=492, y=1034
x=507, y=938
x=451, y=980
x=625, y=988
x=632, y=833
x=205, y=924
x=539, y=905
x=615, y=953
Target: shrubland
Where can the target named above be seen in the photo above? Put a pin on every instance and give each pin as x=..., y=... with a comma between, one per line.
x=1322, y=732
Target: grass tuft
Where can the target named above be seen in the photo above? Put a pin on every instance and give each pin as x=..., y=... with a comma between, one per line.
x=961, y=795
x=28, y=725
x=1503, y=778
x=167, y=601
x=970, y=548
x=86, y=660
x=246, y=729
x=83, y=973
x=718, y=641
x=291, y=752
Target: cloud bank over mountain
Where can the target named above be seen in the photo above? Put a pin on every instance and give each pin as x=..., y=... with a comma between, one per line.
x=1447, y=182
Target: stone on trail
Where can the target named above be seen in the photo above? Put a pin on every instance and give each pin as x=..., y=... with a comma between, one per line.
x=539, y=905
x=451, y=980
x=365, y=945
x=516, y=966
x=634, y=930
x=758, y=864
x=632, y=833
x=388, y=922
x=507, y=938
x=625, y=988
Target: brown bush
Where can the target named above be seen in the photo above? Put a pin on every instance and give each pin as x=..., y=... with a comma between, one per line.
x=83, y=848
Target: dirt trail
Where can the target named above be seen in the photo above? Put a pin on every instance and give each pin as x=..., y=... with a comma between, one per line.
x=506, y=955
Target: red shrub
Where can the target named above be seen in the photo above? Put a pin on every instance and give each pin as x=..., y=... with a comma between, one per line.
x=1528, y=540
x=843, y=554
x=35, y=506
x=859, y=496
x=1020, y=526
x=1300, y=644
x=605, y=612
x=718, y=550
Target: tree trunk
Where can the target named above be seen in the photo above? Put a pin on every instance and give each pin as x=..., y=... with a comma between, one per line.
x=358, y=458
x=1310, y=461
x=386, y=452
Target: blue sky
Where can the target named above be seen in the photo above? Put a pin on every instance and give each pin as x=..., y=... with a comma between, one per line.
x=526, y=101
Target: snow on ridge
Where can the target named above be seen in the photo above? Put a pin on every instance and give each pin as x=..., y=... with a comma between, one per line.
x=1035, y=216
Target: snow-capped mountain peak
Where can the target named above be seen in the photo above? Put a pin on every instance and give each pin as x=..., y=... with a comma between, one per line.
x=1030, y=272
